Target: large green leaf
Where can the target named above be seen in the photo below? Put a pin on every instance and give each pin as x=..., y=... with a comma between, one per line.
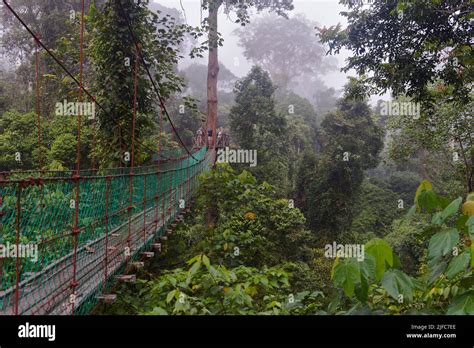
x=458, y=264
x=429, y=200
x=436, y=271
x=382, y=254
x=425, y=185
x=362, y=290
x=192, y=271
x=463, y=304
x=347, y=275
x=367, y=272
x=437, y=218
x=442, y=243
x=367, y=267
x=170, y=296
x=398, y=283
x=452, y=208
x=206, y=261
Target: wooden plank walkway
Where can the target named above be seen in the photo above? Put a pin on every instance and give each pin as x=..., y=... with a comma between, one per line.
x=49, y=291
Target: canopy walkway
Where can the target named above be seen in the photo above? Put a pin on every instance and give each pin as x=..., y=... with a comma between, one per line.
x=122, y=215
x=67, y=237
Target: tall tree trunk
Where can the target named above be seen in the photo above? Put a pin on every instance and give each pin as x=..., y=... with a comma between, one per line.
x=212, y=71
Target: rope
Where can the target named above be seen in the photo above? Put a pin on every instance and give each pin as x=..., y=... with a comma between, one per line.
x=162, y=104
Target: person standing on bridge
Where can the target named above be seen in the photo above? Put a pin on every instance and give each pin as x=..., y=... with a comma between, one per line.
x=219, y=137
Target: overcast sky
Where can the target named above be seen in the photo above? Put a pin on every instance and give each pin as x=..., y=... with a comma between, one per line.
x=325, y=12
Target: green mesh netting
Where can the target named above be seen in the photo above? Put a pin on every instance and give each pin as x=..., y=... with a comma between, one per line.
x=120, y=215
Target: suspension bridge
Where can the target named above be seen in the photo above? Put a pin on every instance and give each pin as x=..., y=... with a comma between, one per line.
x=72, y=235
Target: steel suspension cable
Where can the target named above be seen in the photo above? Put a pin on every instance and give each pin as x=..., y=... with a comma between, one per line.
x=38, y=103
x=77, y=175
x=66, y=70
x=145, y=65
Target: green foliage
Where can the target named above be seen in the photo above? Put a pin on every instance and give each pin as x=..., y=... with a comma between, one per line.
x=264, y=257
x=208, y=289
x=187, y=120
x=265, y=229
x=405, y=237
x=351, y=144
x=301, y=132
x=443, y=285
x=262, y=227
x=111, y=48
x=441, y=244
x=347, y=274
x=13, y=127
x=19, y=133
x=421, y=73
x=401, y=183
x=255, y=125
x=458, y=264
x=48, y=17
x=304, y=177
x=449, y=136
x=416, y=33
x=463, y=304
x=63, y=148
x=377, y=208
x=382, y=254
x=295, y=106
x=4, y=100
x=397, y=283
x=314, y=275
